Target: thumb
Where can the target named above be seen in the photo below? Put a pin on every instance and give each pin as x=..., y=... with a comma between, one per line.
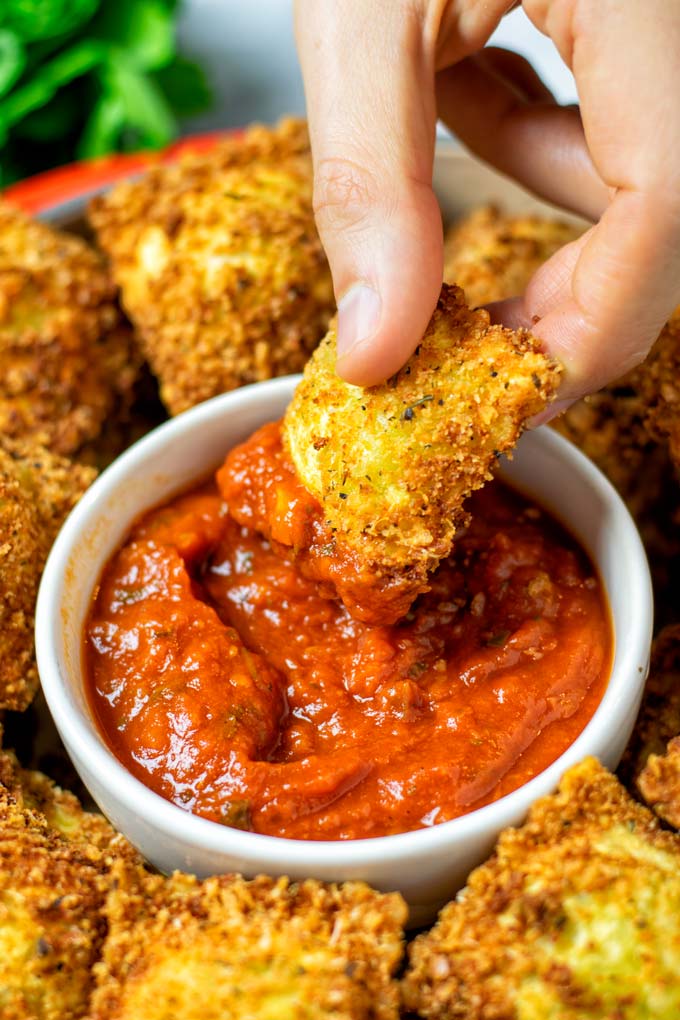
x=371, y=106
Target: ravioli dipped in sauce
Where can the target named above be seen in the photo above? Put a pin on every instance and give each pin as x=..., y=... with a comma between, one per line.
x=230, y=684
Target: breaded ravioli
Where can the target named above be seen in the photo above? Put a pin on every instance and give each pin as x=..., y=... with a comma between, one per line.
x=68, y=361
x=220, y=265
x=651, y=763
x=492, y=256
x=51, y=926
x=230, y=949
x=37, y=490
x=658, y=720
x=392, y=465
x=576, y=916
x=61, y=809
x=659, y=783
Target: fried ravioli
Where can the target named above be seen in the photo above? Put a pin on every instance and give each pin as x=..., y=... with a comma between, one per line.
x=651, y=763
x=37, y=490
x=51, y=926
x=220, y=266
x=262, y=949
x=67, y=358
x=493, y=256
x=392, y=465
x=576, y=915
x=659, y=783
x=64, y=814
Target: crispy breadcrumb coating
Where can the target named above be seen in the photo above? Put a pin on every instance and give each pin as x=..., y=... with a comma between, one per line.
x=220, y=265
x=393, y=464
x=576, y=915
x=143, y=412
x=264, y=949
x=37, y=490
x=656, y=383
x=650, y=765
x=492, y=256
x=62, y=811
x=51, y=926
x=67, y=358
x=659, y=783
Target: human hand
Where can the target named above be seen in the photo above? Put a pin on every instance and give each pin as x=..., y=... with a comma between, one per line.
x=376, y=74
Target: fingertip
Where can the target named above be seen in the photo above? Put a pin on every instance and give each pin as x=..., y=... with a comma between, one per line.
x=359, y=315
x=382, y=317
x=552, y=411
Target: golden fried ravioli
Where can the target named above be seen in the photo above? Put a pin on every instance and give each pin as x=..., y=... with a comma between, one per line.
x=51, y=926
x=268, y=949
x=651, y=763
x=37, y=490
x=659, y=783
x=61, y=810
x=67, y=359
x=392, y=465
x=220, y=266
x=492, y=256
x=576, y=916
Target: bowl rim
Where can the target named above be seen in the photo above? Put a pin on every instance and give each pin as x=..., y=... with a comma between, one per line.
x=266, y=850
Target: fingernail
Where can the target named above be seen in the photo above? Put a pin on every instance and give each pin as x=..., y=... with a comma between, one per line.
x=358, y=317
x=551, y=411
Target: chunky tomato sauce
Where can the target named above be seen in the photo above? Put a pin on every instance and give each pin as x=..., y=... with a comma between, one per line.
x=232, y=685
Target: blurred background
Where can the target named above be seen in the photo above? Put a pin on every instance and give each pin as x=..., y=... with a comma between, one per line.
x=249, y=51
x=81, y=78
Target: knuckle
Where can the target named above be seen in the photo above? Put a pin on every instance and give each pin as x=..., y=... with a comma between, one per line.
x=344, y=194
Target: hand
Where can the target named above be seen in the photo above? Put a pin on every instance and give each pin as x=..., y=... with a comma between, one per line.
x=376, y=74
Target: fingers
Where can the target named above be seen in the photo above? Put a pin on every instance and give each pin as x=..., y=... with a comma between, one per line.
x=599, y=303
x=600, y=316
x=499, y=108
x=625, y=280
x=370, y=93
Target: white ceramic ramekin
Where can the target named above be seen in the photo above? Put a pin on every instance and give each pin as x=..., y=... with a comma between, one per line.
x=428, y=865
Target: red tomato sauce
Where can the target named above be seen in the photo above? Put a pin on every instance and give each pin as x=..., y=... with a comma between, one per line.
x=228, y=682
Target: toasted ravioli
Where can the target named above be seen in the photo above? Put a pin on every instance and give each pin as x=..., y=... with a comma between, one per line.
x=392, y=465
x=659, y=783
x=68, y=361
x=576, y=915
x=51, y=925
x=220, y=266
x=266, y=949
x=492, y=256
x=61, y=809
x=37, y=490
x=651, y=763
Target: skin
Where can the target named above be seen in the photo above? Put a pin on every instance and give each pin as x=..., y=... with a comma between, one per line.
x=378, y=74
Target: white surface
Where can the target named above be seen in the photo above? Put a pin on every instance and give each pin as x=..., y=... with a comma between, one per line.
x=249, y=50
x=428, y=865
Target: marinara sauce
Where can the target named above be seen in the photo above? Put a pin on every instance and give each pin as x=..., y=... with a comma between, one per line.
x=233, y=686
